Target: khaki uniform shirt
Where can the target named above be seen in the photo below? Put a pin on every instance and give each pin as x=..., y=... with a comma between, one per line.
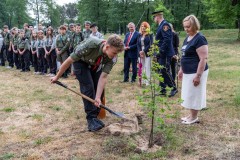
x=15, y=40
x=62, y=43
x=23, y=44
x=89, y=51
x=77, y=38
x=7, y=38
x=86, y=34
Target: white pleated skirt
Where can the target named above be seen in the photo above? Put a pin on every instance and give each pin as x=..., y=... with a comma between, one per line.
x=194, y=97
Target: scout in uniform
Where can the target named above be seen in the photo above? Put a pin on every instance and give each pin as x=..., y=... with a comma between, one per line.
x=164, y=36
x=87, y=31
x=78, y=36
x=23, y=50
x=7, y=48
x=93, y=60
x=16, y=55
x=71, y=34
x=34, y=52
x=50, y=53
x=42, y=62
x=62, y=46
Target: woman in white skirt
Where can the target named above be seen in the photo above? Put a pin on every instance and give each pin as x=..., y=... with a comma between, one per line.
x=144, y=43
x=194, y=70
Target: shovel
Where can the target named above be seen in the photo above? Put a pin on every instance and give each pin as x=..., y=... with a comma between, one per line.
x=120, y=115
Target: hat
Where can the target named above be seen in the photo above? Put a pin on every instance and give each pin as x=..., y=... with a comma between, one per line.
x=5, y=26
x=63, y=27
x=157, y=13
x=71, y=24
x=93, y=25
x=87, y=22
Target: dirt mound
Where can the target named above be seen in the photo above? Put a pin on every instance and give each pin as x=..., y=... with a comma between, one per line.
x=127, y=126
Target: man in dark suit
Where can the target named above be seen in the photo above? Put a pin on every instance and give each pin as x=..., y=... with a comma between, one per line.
x=164, y=35
x=130, y=53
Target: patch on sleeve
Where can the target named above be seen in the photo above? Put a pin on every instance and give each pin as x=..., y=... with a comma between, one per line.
x=165, y=28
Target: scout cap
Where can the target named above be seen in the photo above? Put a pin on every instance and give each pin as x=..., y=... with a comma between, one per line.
x=93, y=25
x=63, y=27
x=157, y=13
x=71, y=24
x=87, y=22
x=5, y=26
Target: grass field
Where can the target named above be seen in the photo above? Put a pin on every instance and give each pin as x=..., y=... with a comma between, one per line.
x=43, y=121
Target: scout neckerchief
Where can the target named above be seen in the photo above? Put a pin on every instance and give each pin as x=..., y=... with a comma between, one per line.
x=98, y=63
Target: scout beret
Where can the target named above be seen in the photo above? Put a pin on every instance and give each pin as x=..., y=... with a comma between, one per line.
x=93, y=25
x=5, y=26
x=157, y=13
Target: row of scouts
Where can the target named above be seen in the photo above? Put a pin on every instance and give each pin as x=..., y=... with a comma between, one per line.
x=42, y=49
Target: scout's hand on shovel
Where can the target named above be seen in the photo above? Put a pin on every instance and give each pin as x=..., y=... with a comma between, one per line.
x=97, y=102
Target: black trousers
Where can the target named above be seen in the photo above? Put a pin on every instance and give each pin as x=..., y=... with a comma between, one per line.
x=127, y=62
x=166, y=74
x=9, y=56
x=42, y=62
x=2, y=56
x=35, y=62
x=52, y=60
x=16, y=59
x=173, y=68
x=88, y=81
x=24, y=58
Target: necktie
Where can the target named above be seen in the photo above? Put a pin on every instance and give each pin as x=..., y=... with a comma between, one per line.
x=129, y=38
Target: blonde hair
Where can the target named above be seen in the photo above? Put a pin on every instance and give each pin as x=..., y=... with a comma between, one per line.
x=116, y=41
x=194, y=22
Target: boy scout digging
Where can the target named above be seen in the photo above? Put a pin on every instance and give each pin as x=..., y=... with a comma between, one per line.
x=93, y=60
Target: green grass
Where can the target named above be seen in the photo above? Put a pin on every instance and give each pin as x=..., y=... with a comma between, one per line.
x=6, y=156
x=8, y=109
x=43, y=140
x=38, y=117
x=237, y=99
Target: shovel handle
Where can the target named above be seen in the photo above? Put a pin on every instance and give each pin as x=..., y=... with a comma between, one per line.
x=80, y=94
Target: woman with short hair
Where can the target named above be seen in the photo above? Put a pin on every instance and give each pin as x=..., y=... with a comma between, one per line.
x=194, y=69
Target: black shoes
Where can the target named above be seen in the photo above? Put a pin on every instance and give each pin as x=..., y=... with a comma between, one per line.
x=173, y=92
x=95, y=124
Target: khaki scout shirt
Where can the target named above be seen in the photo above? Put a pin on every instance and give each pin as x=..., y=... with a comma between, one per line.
x=77, y=38
x=89, y=50
x=15, y=40
x=62, y=43
x=23, y=44
x=7, y=38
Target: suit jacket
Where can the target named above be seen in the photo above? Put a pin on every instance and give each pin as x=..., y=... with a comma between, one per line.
x=148, y=41
x=132, y=52
x=165, y=37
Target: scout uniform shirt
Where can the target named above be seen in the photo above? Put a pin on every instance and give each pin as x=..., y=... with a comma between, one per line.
x=33, y=44
x=15, y=41
x=7, y=38
x=77, y=38
x=28, y=34
x=86, y=33
x=62, y=43
x=90, y=52
x=23, y=44
x=49, y=43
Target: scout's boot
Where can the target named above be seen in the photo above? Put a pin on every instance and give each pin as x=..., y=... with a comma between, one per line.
x=95, y=124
